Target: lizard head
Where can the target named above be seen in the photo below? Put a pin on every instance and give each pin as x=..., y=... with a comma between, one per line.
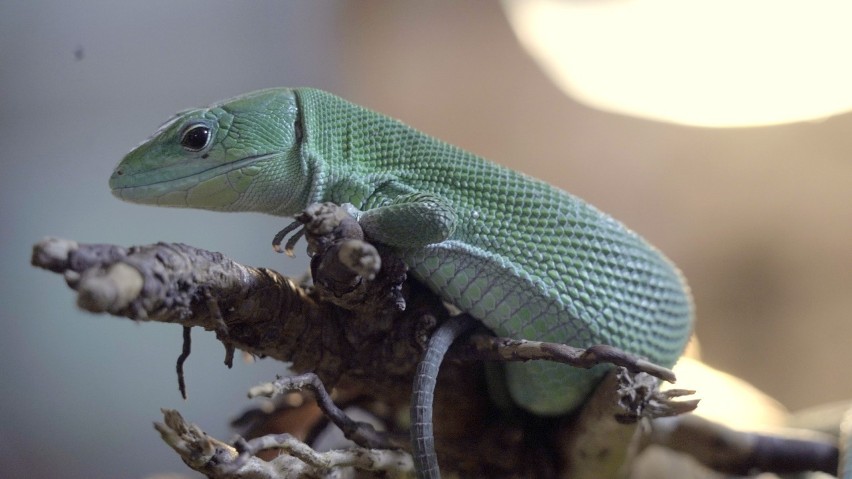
x=242, y=154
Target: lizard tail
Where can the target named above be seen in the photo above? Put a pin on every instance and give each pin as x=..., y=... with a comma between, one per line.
x=422, y=436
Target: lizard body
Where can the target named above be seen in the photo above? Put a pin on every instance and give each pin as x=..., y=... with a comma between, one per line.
x=529, y=260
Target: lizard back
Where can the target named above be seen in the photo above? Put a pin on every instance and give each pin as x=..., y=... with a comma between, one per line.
x=528, y=259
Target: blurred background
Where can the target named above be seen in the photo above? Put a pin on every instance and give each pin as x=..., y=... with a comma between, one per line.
x=758, y=218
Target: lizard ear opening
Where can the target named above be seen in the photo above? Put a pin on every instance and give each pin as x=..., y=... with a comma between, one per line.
x=195, y=138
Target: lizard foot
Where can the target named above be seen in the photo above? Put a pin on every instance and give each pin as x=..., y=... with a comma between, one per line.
x=347, y=268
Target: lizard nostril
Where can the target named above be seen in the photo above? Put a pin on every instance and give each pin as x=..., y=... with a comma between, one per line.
x=118, y=172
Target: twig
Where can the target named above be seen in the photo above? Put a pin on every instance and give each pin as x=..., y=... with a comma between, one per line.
x=361, y=433
x=483, y=347
x=216, y=459
x=185, y=352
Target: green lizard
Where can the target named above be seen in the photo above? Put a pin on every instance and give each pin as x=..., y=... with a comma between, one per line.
x=527, y=259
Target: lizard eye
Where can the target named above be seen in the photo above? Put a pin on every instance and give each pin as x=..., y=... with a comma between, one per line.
x=195, y=138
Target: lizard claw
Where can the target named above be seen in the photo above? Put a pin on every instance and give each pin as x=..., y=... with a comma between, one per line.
x=323, y=223
x=291, y=243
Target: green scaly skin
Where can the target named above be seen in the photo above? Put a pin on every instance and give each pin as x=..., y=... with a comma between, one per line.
x=527, y=259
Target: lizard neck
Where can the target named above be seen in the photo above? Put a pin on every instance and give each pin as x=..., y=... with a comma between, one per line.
x=284, y=187
x=355, y=151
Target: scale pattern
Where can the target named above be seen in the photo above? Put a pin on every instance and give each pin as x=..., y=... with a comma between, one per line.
x=529, y=260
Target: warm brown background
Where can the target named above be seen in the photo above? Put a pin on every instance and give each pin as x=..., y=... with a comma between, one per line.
x=759, y=219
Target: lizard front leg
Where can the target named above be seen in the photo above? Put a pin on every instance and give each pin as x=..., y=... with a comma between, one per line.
x=411, y=221
x=408, y=221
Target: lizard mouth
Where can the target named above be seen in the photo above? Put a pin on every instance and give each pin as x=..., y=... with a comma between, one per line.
x=150, y=187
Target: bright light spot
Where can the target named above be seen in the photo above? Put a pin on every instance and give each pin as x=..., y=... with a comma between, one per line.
x=712, y=63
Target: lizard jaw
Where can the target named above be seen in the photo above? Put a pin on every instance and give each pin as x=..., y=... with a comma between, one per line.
x=216, y=188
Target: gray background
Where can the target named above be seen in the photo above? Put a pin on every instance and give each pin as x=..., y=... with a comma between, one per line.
x=759, y=219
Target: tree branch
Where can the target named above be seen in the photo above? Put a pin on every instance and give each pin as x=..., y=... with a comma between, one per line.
x=736, y=452
x=362, y=339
